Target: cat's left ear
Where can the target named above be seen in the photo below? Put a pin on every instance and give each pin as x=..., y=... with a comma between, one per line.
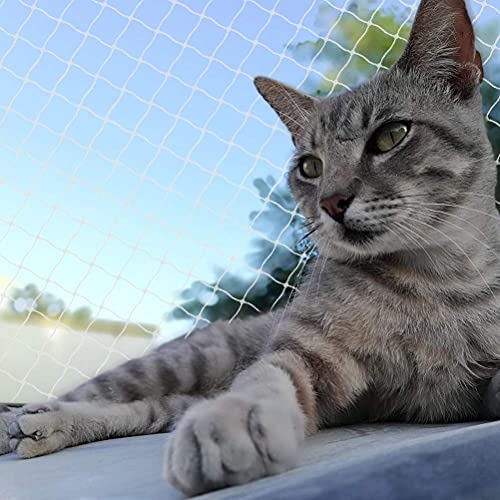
x=441, y=44
x=293, y=107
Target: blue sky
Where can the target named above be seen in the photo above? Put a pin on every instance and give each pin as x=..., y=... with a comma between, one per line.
x=108, y=154
x=130, y=134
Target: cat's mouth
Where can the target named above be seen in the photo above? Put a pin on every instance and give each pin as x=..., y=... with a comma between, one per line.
x=354, y=231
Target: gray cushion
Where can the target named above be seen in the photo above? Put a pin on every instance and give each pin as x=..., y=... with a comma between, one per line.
x=391, y=462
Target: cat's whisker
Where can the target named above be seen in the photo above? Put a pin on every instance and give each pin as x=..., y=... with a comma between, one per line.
x=428, y=240
x=309, y=233
x=461, y=219
x=409, y=209
x=313, y=273
x=482, y=243
x=310, y=223
x=401, y=237
x=425, y=237
x=464, y=207
x=459, y=227
x=325, y=260
x=413, y=235
x=410, y=193
x=466, y=255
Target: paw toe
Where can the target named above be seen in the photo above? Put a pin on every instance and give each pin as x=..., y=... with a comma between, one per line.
x=183, y=468
x=14, y=431
x=39, y=408
x=34, y=434
x=4, y=445
x=5, y=420
x=31, y=426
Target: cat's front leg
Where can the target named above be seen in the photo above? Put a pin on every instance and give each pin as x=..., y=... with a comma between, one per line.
x=237, y=437
x=138, y=396
x=257, y=427
x=40, y=429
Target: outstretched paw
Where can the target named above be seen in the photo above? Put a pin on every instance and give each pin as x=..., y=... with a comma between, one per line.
x=231, y=440
x=38, y=430
x=7, y=416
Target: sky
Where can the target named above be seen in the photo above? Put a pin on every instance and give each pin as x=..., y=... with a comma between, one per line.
x=130, y=134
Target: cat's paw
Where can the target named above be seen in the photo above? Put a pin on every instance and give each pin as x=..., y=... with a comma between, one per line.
x=7, y=416
x=232, y=440
x=39, y=429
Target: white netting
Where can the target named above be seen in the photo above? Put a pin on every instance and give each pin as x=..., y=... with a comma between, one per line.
x=137, y=159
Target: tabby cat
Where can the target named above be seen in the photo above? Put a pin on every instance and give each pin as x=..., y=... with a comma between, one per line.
x=398, y=319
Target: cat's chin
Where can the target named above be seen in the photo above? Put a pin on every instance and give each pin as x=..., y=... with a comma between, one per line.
x=358, y=238
x=355, y=243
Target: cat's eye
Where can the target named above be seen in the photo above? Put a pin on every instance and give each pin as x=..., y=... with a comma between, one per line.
x=310, y=167
x=388, y=136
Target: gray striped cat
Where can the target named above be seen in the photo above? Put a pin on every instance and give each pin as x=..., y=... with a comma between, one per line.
x=397, y=320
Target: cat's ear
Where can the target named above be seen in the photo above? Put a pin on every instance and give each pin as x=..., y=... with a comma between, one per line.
x=441, y=44
x=293, y=107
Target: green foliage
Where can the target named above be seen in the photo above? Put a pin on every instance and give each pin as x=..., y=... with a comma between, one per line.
x=274, y=264
x=351, y=50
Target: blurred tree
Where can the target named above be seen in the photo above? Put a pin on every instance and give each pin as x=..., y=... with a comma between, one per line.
x=350, y=50
x=32, y=305
x=28, y=299
x=81, y=317
x=270, y=257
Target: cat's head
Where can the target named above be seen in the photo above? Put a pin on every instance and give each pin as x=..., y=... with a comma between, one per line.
x=388, y=165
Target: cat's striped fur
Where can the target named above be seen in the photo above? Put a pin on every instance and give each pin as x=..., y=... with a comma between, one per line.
x=397, y=320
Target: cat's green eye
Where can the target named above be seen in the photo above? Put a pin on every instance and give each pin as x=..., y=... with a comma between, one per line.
x=389, y=136
x=311, y=167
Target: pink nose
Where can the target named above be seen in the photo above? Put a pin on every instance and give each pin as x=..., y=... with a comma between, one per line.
x=335, y=206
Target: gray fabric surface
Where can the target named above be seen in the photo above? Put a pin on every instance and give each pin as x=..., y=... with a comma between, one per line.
x=360, y=462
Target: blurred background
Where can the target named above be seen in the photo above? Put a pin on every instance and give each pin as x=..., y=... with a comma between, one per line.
x=143, y=181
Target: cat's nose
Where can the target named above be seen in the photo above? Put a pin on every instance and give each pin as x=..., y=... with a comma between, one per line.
x=335, y=206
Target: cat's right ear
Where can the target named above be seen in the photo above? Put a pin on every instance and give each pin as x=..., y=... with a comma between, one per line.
x=293, y=107
x=441, y=45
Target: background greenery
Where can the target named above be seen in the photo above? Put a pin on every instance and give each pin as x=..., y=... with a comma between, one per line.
x=30, y=305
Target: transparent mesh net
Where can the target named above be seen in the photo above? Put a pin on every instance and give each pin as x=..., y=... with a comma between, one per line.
x=142, y=180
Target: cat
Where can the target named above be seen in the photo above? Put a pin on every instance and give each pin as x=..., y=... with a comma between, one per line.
x=397, y=320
